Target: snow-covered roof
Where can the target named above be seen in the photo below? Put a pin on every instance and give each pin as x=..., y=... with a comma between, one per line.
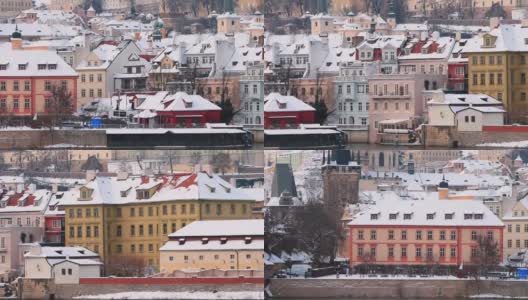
x=183, y=186
x=275, y=102
x=217, y=245
x=453, y=179
x=25, y=63
x=39, y=30
x=390, y=209
x=24, y=201
x=180, y=101
x=60, y=252
x=508, y=37
x=221, y=228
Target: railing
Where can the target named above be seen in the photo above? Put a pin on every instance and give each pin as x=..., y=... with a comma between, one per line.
x=353, y=127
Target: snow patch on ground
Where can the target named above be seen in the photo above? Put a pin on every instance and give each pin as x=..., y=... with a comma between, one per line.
x=495, y=296
x=518, y=144
x=158, y=295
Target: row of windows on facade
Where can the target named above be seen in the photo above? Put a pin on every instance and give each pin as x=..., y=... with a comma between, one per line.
x=255, y=89
x=27, y=85
x=492, y=60
x=517, y=244
x=91, y=78
x=433, y=69
x=218, y=90
x=249, y=106
x=195, y=60
x=398, y=90
x=396, y=106
x=257, y=121
x=186, y=258
x=386, y=55
x=418, y=252
x=22, y=67
x=361, y=89
x=517, y=227
x=442, y=235
x=351, y=121
x=299, y=60
x=91, y=93
x=118, y=211
x=119, y=230
x=16, y=104
x=141, y=248
x=343, y=106
x=430, y=216
x=8, y=221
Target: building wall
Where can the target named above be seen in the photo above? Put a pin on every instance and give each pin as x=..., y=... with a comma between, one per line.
x=205, y=260
x=13, y=8
x=163, y=217
x=462, y=244
x=66, y=5
x=31, y=94
x=511, y=91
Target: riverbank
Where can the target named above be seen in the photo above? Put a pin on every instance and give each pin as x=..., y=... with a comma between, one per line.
x=394, y=288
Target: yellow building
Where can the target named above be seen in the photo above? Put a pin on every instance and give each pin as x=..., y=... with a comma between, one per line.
x=516, y=228
x=133, y=217
x=497, y=66
x=221, y=245
x=92, y=81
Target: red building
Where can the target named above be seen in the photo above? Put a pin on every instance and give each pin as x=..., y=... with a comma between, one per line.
x=54, y=221
x=457, y=69
x=177, y=110
x=286, y=112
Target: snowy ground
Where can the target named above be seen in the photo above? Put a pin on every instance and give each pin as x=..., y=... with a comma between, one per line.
x=158, y=295
x=397, y=277
x=519, y=144
x=495, y=296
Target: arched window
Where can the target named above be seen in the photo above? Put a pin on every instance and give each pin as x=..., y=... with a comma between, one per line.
x=426, y=84
x=22, y=237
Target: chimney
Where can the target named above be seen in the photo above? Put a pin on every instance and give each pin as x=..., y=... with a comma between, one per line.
x=443, y=193
x=458, y=36
x=494, y=22
x=54, y=188
x=90, y=175
x=144, y=179
x=137, y=36
x=16, y=43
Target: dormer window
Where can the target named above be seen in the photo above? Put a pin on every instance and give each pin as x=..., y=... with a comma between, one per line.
x=205, y=241
x=188, y=104
x=41, y=66
x=223, y=240
x=479, y=216
x=212, y=189
x=181, y=241
x=430, y=216
x=3, y=67
x=248, y=240
x=373, y=216
x=407, y=216
x=468, y=216
x=142, y=194
x=449, y=216
x=393, y=216
x=22, y=66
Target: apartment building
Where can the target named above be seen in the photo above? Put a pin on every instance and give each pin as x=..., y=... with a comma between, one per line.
x=221, y=245
x=133, y=216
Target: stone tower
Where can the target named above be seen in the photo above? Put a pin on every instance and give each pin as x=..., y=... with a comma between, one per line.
x=341, y=176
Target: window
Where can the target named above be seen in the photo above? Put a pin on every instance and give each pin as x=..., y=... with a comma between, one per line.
x=150, y=229
x=453, y=252
x=442, y=235
x=418, y=252
x=391, y=251
x=132, y=211
x=429, y=252
x=453, y=235
x=473, y=235
x=47, y=85
x=27, y=85
x=118, y=230
x=418, y=234
x=96, y=231
x=132, y=230
x=429, y=235
x=373, y=234
x=360, y=234
x=391, y=234
x=404, y=234
x=79, y=231
x=88, y=231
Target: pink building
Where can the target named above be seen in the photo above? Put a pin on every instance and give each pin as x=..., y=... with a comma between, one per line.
x=21, y=225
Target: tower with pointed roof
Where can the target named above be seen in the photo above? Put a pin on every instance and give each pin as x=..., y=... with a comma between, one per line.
x=391, y=15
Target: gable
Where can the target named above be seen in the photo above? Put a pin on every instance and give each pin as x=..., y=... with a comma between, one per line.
x=133, y=57
x=488, y=40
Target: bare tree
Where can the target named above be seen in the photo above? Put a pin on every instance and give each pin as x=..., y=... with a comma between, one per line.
x=221, y=162
x=126, y=266
x=485, y=257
